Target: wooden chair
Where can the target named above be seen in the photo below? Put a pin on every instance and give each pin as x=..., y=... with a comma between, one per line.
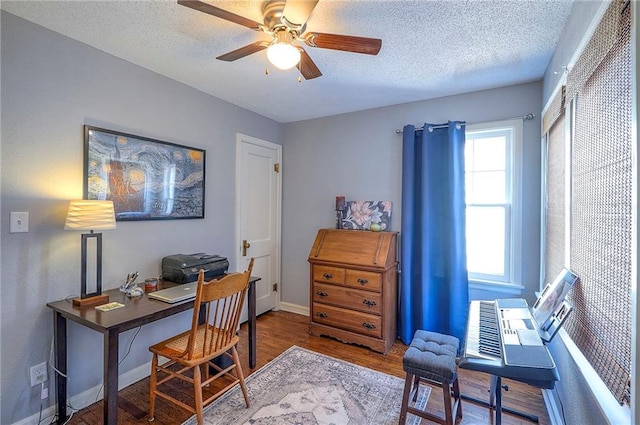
x=197, y=348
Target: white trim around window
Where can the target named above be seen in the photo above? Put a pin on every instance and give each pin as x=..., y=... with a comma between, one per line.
x=512, y=277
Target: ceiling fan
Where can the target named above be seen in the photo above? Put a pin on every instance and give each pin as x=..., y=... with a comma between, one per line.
x=286, y=22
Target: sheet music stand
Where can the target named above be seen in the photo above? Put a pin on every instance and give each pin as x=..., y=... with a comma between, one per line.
x=557, y=319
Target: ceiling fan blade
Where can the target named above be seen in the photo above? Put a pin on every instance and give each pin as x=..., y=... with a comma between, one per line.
x=297, y=12
x=307, y=66
x=244, y=51
x=221, y=13
x=348, y=43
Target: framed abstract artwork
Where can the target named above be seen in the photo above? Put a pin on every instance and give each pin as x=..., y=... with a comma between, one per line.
x=146, y=179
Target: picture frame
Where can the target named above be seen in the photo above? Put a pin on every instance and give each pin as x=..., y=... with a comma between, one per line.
x=147, y=179
x=367, y=215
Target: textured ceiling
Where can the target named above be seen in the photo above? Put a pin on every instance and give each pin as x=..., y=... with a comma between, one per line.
x=429, y=48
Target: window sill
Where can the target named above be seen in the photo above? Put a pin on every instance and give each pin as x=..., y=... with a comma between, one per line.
x=505, y=289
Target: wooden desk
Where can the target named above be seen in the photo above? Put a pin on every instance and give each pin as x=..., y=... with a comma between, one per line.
x=136, y=312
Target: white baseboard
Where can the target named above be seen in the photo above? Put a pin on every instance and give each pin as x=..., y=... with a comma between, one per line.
x=294, y=308
x=90, y=396
x=33, y=419
x=550, y=402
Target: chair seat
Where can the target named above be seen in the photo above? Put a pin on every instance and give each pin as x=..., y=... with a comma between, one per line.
x=175, y=346
x=432, y=355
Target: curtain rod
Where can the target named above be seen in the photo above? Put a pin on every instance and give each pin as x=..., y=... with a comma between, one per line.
x=527, y=117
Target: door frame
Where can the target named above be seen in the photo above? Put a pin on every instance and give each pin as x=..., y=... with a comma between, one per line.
x=242, y=139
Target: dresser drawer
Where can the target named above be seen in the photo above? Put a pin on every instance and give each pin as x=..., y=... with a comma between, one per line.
x=363, y=280
x=355, y=321
x=367, y=301
x=328, y=274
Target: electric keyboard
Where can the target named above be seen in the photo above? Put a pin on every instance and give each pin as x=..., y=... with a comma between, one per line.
x=502, y=339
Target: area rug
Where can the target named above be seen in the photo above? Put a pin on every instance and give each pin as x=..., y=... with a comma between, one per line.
x=303, y=387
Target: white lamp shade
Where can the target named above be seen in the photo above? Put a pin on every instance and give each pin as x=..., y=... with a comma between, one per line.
x=283, y=55
x=90, y=215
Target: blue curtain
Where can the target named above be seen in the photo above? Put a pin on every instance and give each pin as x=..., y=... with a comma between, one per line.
x=434, y=288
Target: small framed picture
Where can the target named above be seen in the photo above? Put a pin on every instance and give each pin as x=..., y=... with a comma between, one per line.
x=367, y=215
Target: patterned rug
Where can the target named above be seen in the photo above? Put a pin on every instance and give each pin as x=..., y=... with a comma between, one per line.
x=303, y=387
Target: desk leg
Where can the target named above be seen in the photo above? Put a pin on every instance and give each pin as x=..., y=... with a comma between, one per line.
x=110, y=377
x=252, y=324
x=60, y=332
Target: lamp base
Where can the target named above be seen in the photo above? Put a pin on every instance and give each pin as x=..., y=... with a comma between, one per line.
x=95, y=300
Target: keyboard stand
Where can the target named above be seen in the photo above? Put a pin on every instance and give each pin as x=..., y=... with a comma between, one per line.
x=495, y=402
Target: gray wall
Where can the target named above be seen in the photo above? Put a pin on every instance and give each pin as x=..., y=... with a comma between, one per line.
x=51, y=86
x=359, y=155
x=579, y=405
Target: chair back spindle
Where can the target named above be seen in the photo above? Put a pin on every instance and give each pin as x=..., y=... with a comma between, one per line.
x=222, y=301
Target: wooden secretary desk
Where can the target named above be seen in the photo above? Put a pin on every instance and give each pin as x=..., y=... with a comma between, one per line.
x=353, y=287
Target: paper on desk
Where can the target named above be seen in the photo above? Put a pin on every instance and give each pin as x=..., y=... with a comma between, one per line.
x=109, y=306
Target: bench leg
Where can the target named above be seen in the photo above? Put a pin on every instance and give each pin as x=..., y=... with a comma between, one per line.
x=405, y=399
x=457, y=406
x=450, y=395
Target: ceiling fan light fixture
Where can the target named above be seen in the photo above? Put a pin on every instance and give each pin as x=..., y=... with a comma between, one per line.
x=282, y=53
x=285, y=21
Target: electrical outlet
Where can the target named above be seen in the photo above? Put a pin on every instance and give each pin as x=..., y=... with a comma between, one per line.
x=38, y=374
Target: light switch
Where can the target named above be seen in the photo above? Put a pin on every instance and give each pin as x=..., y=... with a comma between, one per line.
x=19, y=222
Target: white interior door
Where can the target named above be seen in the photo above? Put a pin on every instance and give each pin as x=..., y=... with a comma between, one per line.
x=258, y=189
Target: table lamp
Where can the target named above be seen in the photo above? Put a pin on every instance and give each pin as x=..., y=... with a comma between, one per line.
x=90, y=215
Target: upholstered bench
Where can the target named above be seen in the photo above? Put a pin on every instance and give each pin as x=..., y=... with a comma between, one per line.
x=431, y=358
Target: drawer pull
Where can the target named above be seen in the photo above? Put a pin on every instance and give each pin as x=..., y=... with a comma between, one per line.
x=327, y=276
x=362, y=281
x=322, y=315
x=369, y=303
x=322, y=294
x=368, y=325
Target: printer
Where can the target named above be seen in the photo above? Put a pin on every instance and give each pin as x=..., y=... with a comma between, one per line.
x=184, y=268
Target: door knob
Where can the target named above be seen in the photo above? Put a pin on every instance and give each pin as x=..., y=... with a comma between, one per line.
x=245, y=245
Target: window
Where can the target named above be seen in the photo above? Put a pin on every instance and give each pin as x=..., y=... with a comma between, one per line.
x=599, y=207
x=492, y=165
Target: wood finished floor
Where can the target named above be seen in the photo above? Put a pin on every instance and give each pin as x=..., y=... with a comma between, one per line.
x=277, y=331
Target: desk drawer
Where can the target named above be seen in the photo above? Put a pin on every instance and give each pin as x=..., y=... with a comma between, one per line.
x=355, y=321
x=367, y=301
x=363, y=280
x=328, y=274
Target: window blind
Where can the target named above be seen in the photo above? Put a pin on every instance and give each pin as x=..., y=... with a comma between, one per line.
x=599, y=46
x=555, y=199
x=555, y=109
x=599, y=97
